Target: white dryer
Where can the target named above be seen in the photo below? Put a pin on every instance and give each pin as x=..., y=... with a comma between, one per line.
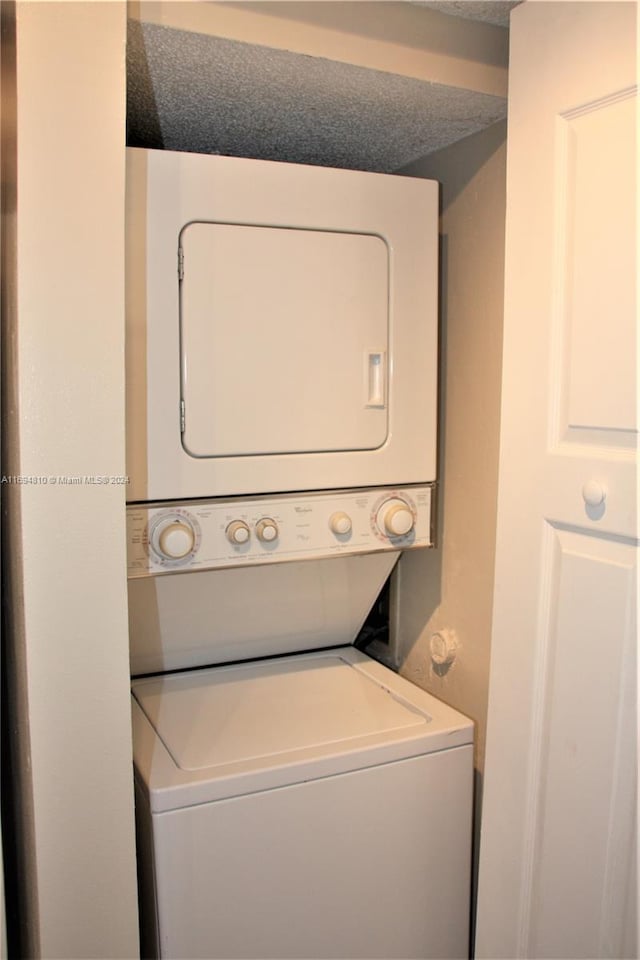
x=281, y=327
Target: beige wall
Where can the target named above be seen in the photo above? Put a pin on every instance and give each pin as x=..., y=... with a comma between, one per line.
x=66, y=558
x=451, y=587
x=394, y=37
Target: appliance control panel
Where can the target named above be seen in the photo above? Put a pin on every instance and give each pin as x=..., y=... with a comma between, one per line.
x=172, y=537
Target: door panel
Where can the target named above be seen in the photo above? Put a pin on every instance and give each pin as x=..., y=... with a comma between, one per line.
x=584, y=795
x=596, y=271
x=557, y=860
x=284, y=340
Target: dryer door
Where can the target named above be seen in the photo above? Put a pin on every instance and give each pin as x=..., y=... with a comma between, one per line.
x=284, y=340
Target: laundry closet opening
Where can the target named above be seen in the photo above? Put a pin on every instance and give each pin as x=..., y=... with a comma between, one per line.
x=254, y=81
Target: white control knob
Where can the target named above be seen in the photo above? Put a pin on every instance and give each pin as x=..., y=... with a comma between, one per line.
x=267, y=530
x=340, y=522
x=174, y=540
x=395, y=518
x=238, y=532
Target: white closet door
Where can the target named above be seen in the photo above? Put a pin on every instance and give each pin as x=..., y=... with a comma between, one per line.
x=284, y=340
x=557, y=858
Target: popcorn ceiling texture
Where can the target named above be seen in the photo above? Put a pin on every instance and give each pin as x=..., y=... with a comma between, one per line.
x=204, y=94
x=488, y=11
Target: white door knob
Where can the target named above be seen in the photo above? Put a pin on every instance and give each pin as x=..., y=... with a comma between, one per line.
x=594, y=493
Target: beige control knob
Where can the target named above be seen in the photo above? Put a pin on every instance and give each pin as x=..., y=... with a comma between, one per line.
x=267, y=530
x=174, y=540
x=395, y=518
x=238, y=532
x=340, y=522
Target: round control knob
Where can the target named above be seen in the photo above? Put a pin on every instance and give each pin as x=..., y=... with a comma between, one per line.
x=173, y=540
x=395, y=518
x=238, y=532
x=340, y=522
x=267, y=530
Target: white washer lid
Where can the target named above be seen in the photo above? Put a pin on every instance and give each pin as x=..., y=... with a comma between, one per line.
x=270, y=711
x=225, y=732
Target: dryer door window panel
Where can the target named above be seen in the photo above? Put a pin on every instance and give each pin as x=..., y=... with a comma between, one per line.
x=264, y=373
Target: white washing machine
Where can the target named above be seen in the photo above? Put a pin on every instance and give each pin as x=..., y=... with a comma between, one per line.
x=309, y=806
x=294, y=797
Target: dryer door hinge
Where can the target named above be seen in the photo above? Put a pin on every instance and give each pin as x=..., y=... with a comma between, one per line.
x=182, y=416
x=180, y=263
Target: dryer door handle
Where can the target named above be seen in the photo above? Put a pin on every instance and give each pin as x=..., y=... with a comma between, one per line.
x=376, y=379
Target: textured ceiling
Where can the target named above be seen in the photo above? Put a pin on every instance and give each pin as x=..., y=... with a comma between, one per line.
x=487, y=11
x=203, y=94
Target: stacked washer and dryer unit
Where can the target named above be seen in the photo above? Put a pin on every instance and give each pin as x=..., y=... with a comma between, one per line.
x=294, y=797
